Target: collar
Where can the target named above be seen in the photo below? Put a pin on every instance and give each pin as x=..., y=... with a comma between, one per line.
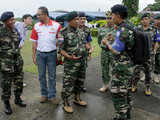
x=50, y=23
x=72, y=29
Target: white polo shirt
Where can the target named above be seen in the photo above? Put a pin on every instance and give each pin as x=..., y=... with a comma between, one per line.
x=45, y=35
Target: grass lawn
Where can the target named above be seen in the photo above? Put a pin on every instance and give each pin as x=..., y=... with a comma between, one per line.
x=27, y=54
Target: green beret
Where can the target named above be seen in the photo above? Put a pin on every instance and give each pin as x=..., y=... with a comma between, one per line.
x=71, y=16
x=6, y=16
x=157, y=16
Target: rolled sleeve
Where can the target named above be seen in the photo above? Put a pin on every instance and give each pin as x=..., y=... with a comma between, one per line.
x=34, y=35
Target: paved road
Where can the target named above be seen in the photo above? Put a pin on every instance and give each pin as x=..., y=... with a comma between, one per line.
x=99, y=105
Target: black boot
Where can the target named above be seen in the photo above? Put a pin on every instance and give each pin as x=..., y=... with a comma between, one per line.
x=7, y=107
x=18, y=101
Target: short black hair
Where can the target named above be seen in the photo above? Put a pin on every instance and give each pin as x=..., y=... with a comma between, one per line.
x=26, y=16
x=44, y=10
x=121, y=10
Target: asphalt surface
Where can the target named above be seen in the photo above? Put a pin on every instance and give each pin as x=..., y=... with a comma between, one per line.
x=100, y=106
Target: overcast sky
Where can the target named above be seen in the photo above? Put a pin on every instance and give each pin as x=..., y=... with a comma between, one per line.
x=21, y=7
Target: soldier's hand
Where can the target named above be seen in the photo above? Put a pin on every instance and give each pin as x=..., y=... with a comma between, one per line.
x=104, y=41
x=110, y=37
x=87, y=46
x=75, y=58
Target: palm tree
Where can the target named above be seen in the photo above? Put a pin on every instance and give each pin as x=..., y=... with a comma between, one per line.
x=132, y=7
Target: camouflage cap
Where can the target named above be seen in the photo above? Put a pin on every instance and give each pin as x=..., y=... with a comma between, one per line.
x=157, y=16
x=108, y=14
x=6, y=15
x=71, y=16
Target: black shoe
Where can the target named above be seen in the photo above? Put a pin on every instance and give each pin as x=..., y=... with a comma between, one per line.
x=7, y=107
x=18, y=101
x=84, y=89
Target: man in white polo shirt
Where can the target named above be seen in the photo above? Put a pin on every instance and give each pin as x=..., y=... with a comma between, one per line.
x=44, y=35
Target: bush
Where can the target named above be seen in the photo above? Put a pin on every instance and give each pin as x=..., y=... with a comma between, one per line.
x=94, y=32
x=101, y=22
x=154, y=7
x=136, y=20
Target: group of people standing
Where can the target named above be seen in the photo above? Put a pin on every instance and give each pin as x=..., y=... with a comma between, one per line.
x=119, y=73
x=74, y=42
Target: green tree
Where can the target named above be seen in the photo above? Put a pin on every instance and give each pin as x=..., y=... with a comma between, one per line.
x=132, y=7
x=154, y=7
x=157, y=0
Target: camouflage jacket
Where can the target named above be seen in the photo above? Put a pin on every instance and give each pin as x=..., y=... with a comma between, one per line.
x=73, y=41
x=87, y=34
x=102, y=33
x=9, y=42
x=9, y=48
x=127, y=38
x=150, y=29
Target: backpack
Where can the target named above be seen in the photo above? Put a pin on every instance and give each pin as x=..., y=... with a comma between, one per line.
x=142, y=45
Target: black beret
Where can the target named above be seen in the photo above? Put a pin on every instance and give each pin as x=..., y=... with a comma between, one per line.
x=82, y=14
x=145, y=15
x=157, y=16
x=71, y=16
x=6, y=15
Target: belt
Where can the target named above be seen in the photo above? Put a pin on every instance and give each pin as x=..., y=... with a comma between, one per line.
x=48, y=51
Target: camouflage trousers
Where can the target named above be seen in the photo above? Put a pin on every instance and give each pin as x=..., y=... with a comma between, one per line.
x=147, y=67
x=157, y=63
x=121, y=90
x=12, y=74
x=106, y=66
x=73, y=79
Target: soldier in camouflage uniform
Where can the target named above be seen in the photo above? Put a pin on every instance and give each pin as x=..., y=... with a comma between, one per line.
x=106, y=55
x=122, y=65
x=157, y=49
x=87, y=38
x=11, y=62
x=148, y=65
x=74, y=51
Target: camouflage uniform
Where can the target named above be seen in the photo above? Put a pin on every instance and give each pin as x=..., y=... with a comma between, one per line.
x=147, y=66
x=121, y=75
x=86, y=34
x=11, y=63
x=106, y=55
x=74, y=70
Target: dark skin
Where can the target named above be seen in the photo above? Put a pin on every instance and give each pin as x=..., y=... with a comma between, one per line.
x=9, y=24
x=74, y=24
x=145, y=22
